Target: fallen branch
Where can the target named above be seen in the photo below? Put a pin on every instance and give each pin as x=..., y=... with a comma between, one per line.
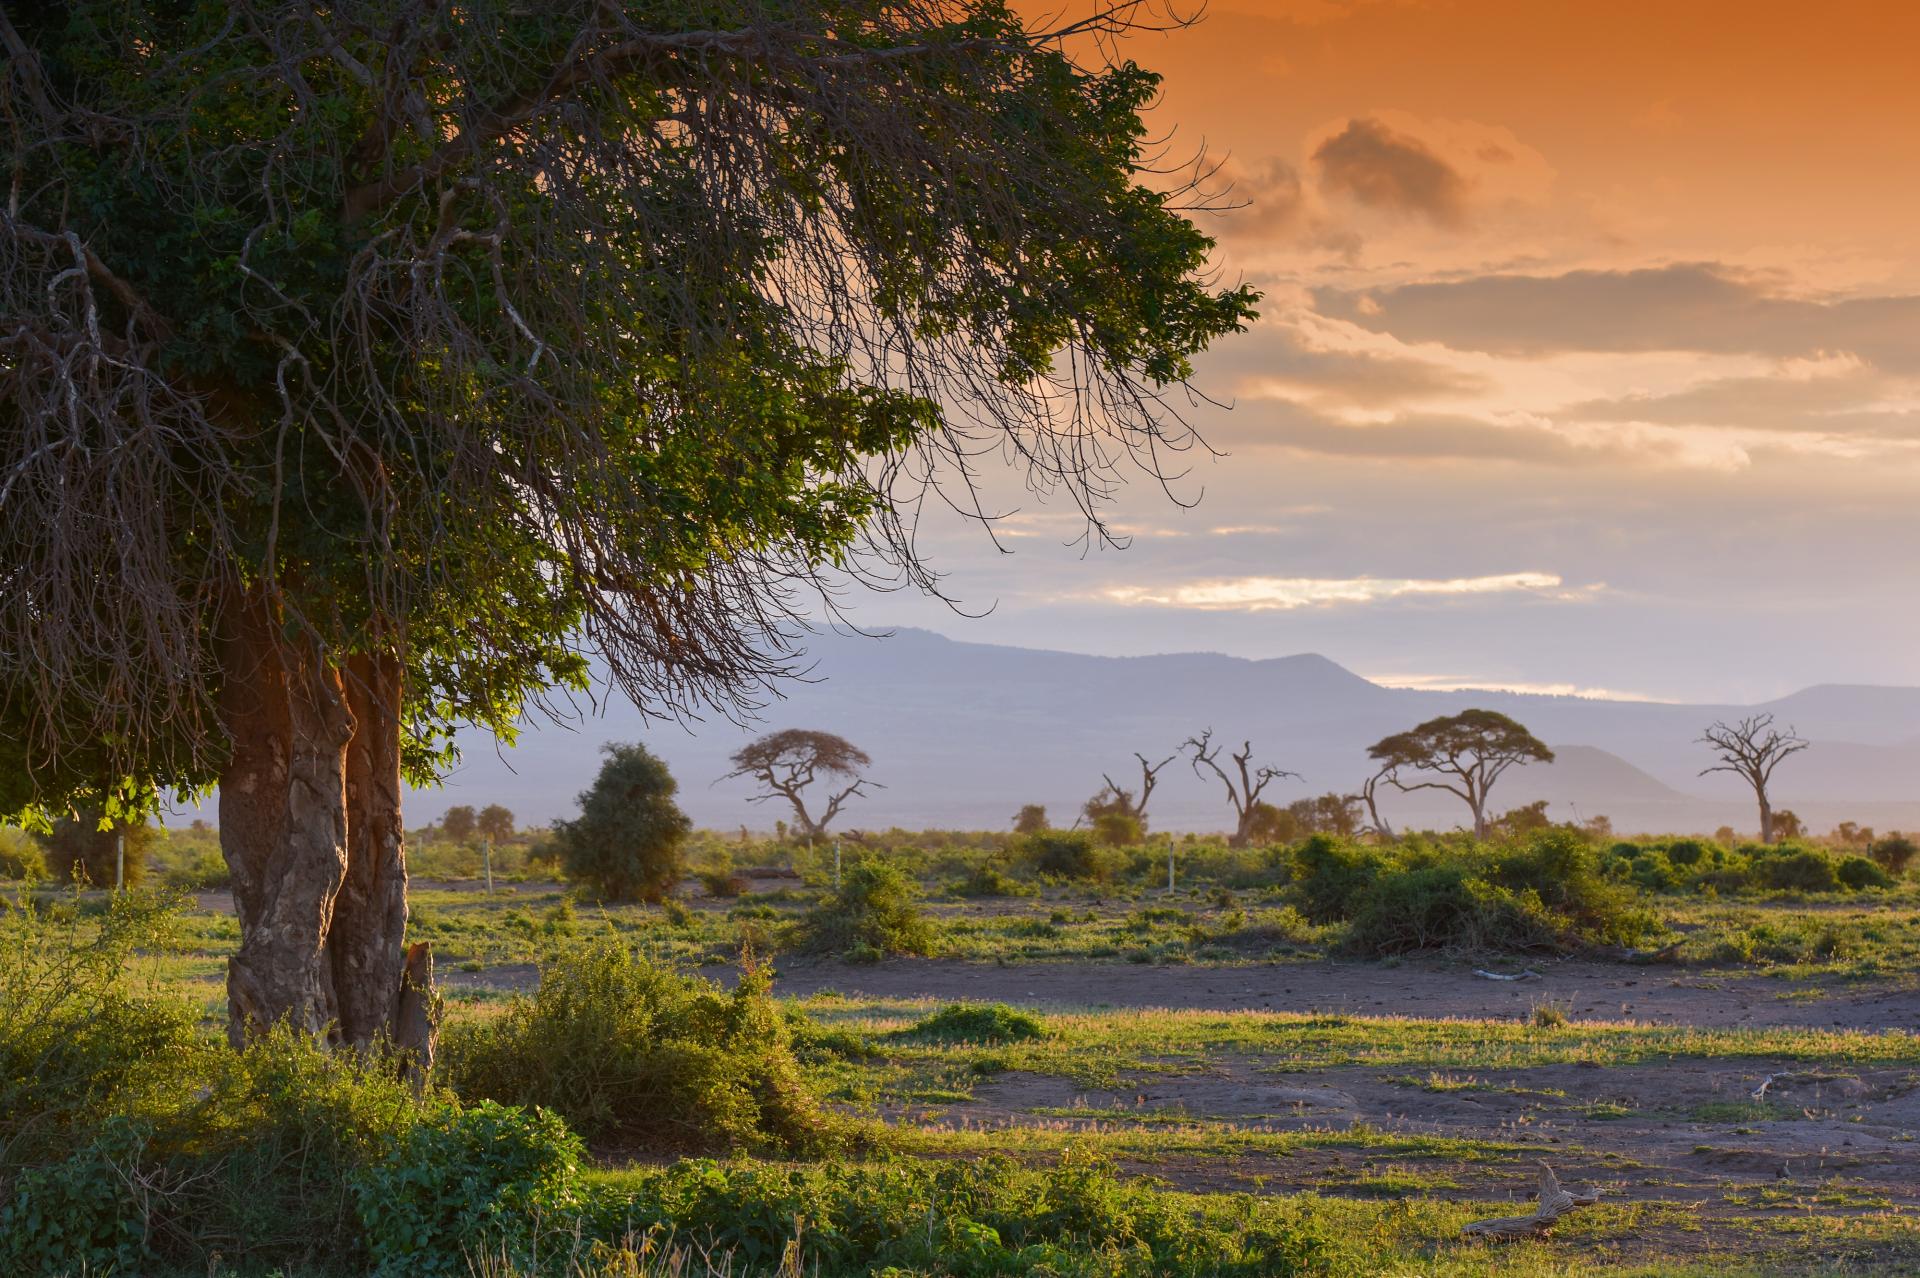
x=1554, y=1203
x=1528, y=974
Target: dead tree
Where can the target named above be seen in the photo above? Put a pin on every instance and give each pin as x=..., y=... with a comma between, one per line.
x=1751, y=749
x=787, y=763
x=1116, y=798
x=1244, y=782
x=1369, y=794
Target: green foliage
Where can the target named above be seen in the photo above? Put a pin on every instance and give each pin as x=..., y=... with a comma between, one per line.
x=874, y=913
x=465, y=1182
x=78, y=851
x=1330, y=877
x=1895, y=854
x=1802, y=870
x=81, y=1214
x=987, y=879
x=971, y=1219
x=1067, y=855
x=627, y=842
x=976, y=1023
x=20, y=856
x=628, y=1052
x=1118, y=829
x=1858, y=874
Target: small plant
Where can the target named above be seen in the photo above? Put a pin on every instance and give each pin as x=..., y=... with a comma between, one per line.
x=987, y=879
x=1066, y=854
x=1551, y=1014
x=722, y=884
x=976, y=1023
x=874, y=913
x=1895, y=854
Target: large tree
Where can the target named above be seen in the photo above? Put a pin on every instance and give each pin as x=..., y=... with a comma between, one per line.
x=1463, y=754
x=367, y=369
x=1751, y=749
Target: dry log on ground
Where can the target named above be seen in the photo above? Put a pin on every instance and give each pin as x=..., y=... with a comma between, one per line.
x=1554, y=1203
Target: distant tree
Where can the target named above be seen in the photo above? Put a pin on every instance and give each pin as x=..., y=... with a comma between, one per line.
x=1751, y=749
x=1527, y=820
x=1030, y=819
x=786, y=763
x=1117, y=829
x=1269, y=823
x=1243, y=781
x=1470, y=749
x=1788, y=825
x=1726, y=836
x=459, y=823
x=1117, y=799
x=1851, y=834
x=77, y=850
x=626, y=844
x=1598, y=827
x=1336, y=814
x=495, y=822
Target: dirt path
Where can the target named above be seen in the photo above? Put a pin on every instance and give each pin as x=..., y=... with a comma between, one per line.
x=1658, y=995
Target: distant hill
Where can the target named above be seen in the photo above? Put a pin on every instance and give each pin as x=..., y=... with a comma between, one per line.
x=962, y=734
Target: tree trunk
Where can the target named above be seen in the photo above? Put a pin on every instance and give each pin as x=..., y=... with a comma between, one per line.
x=1479, y=820
x=368, y=938
x=1243, y=829
x=310, y=827
x=1766, y=818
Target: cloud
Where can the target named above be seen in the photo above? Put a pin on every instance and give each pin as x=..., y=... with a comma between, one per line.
x=1467, y=683
x=1268, y=594
x=1698, y=306
x=1380, y=168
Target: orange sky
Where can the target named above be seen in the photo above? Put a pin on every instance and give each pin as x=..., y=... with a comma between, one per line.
x=1585, y=323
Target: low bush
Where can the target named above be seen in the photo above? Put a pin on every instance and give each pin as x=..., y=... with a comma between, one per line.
x=987, y=879
x=1859, y=874
x=20, y=856
x=1805, y=870
x=976, y=1023
x=1895, y=854
x=628, y=1052
x=991, y=1216
x=1330, y=877
x=1067, y=855
x=78, y=851
x=874, y=912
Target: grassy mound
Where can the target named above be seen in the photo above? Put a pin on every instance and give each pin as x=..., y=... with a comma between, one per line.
x=976, y=1023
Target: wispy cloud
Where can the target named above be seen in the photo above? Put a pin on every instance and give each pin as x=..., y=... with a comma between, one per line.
x=1264, y=594
x=1467, y=683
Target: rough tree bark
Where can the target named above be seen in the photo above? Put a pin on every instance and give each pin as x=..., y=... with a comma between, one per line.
x=310, y=826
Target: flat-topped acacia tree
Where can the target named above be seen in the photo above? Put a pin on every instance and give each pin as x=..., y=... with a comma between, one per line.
x=366, y=370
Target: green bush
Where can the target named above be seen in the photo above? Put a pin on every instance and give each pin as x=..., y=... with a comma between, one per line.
x=1560, y=870
x=1330, y=878
x=466, y=1182
x=80, y=1215
x=1066, y=854
x=1860, y=874
x=987, y=879
x=77, y=850
x=1895, y=854
x=1118, y=829
x=1442, y=907
x=628, y=842
x=628, y=1052
x=976, y=1023
x=874, y=912
x=1803, y=871
x=981, y=1218
x=20, y=856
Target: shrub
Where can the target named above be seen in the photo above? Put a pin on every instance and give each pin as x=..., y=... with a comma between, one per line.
x=464, y=1180
x=77, y=850
x=627, y=1051
x=1895, y=854
x=1859, y=874
x=976, y=1023
x=875, y=912
x=987, y=879
x=1441, y=907
x=204, y=871
x=1802, y=871
x=20, y=856
x=1066, y=854
x=626, y=844
x=1117, y=829
x=80, y=1215
x=1560, y=869
x=722, y=884
x=1331, y=877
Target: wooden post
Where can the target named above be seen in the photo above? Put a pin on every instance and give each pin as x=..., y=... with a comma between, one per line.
x=486, y=859
x=836, y=865
x=119, y=860
x=1169, y=863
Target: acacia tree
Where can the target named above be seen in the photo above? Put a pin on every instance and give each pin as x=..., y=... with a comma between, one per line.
x=1751, y=749
x=1243, y=781
x=1470, y=749
x=365, y=368
x=788, y=762
x=495, y=822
